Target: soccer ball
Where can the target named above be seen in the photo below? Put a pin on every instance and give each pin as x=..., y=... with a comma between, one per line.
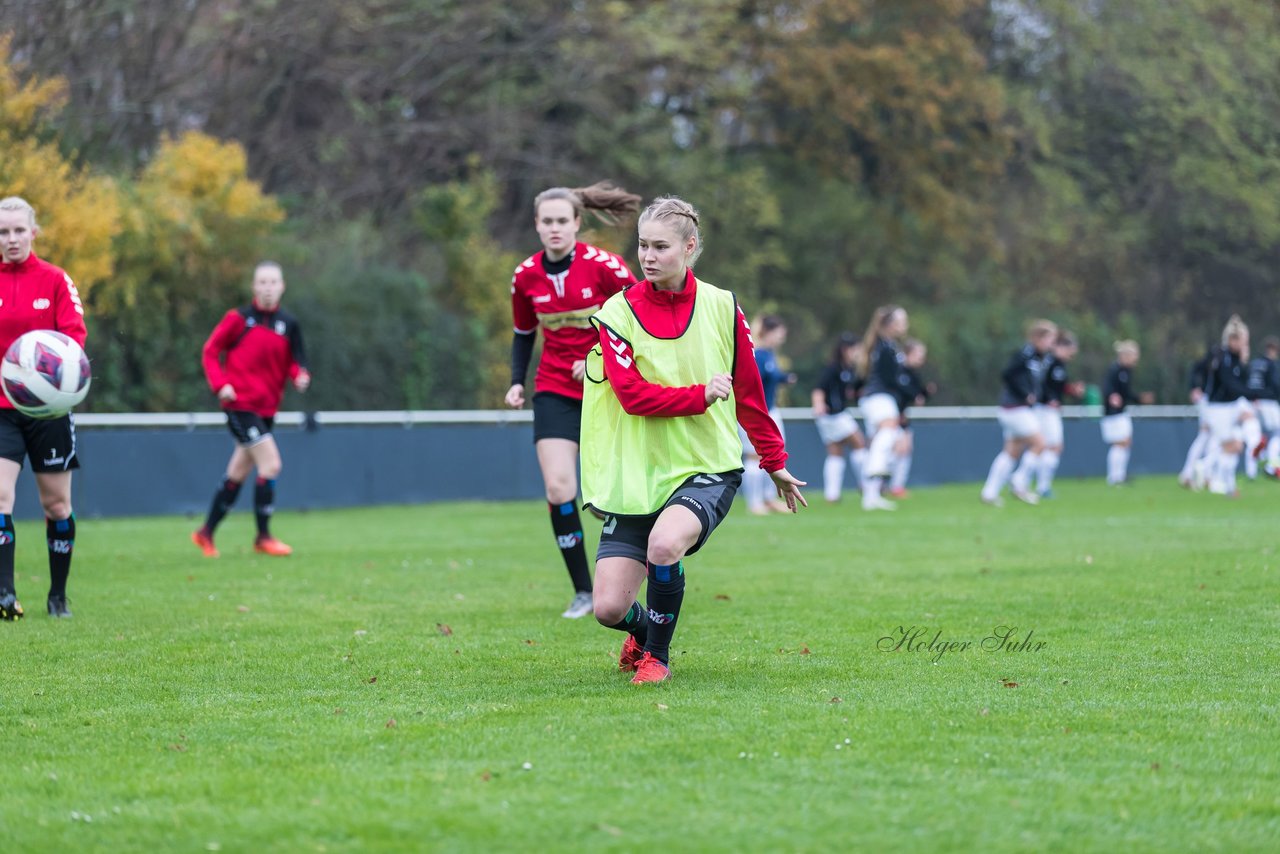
x=44, y=374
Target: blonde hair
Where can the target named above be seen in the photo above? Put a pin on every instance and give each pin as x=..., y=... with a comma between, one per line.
x=609, y=201
x=1128, y=345
x=681, y=216
x=879, y=320
x=17, y=203
x=1041, y=329
x=1235, y=328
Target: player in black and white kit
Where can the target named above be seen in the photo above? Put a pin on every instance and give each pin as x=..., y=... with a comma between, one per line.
x=1229, y=413
x=880, y=360
x=1057, y=386
x=832, y=398
x=1264, y=391
x=1022, y=381
x=1194, y=472
x=1267, y=402
x=1117, y=426
x=912, y=390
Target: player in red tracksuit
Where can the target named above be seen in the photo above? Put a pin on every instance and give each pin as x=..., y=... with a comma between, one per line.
x=558, y=289
x=248, y=358
x=35, y=294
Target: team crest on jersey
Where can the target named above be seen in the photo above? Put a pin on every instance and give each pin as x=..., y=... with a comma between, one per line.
x=41, y=304
x=586, y=293
x=280, y=327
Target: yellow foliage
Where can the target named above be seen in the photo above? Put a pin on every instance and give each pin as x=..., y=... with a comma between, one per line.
x=78, y=214
x=22, y=104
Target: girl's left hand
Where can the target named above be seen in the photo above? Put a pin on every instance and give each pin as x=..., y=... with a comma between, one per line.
x=789, y=489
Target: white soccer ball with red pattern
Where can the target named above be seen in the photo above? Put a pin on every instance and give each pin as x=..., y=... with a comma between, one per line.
x=45, y=374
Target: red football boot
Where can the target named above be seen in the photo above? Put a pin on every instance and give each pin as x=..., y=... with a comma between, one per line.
x=649, y=670
x=631, y=654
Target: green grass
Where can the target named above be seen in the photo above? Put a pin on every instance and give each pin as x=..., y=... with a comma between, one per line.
x=315, y=703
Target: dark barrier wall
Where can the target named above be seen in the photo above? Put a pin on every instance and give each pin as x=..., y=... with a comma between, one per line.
x=134, y=471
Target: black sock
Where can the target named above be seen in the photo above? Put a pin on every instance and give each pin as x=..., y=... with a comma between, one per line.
x=665, y=593
x=635, y=623
x=264, y=496
x=222, y=501
x=61, y=534
x=567, y=526
x=6, y=552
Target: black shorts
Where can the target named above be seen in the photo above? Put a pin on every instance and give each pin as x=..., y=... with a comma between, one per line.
x=709, y=496
x=556, y=417
x=249, y=428
x=49, y=442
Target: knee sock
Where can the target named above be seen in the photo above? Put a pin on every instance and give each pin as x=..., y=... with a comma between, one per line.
x=664, y=595
x=61, y=534
x=901, y=471
x=264, y=497
x=1194, y=453
x=566, y=524
x=880, y=454
x=6, y=551
x=1021, y=478
x=1117, y=464
x=222, y=501
x=858, y=456
x=833, y=478
x=1001, y=467
x=1048, y=468
x=1227, y=465
x=635, y=623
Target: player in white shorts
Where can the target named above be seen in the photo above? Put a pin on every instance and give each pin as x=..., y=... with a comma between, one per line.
x=835, y=394
x=881, y=361
x=1264, y=391
x=1022, y=381
x=1193, y=475
x=1117, y=426
x=1229, y=414
x=1048, y=412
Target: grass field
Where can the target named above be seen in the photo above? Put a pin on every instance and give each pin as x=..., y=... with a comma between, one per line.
x=405, y=682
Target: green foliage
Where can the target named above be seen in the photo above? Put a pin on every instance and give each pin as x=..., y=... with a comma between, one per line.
x=455, y=217
x=194, y=227
x=378, y=336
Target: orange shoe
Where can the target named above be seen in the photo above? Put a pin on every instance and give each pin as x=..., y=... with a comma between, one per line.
x=205, y=542
x=631, y=654
x=650, y=669
x=272, y=546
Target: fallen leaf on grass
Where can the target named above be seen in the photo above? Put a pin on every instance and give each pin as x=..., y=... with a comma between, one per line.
x=191, y=578
x=486, y=776
x=609, y=829
x=181, y=748
x=243, y=609
x=373, y=679
x=662, y=707
x=985, y=712
x=835, y=700
x=391, y=723
x=1155, y=766
x=1009, y=684
x=444, y=629
x=722, y=598
x=531, y=642
x=804, y=650
x=337, y=711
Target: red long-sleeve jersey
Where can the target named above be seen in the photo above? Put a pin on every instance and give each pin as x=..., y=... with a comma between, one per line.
x=666, y=314
x=35, y=294
x=255, y=352
x=562, y=305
